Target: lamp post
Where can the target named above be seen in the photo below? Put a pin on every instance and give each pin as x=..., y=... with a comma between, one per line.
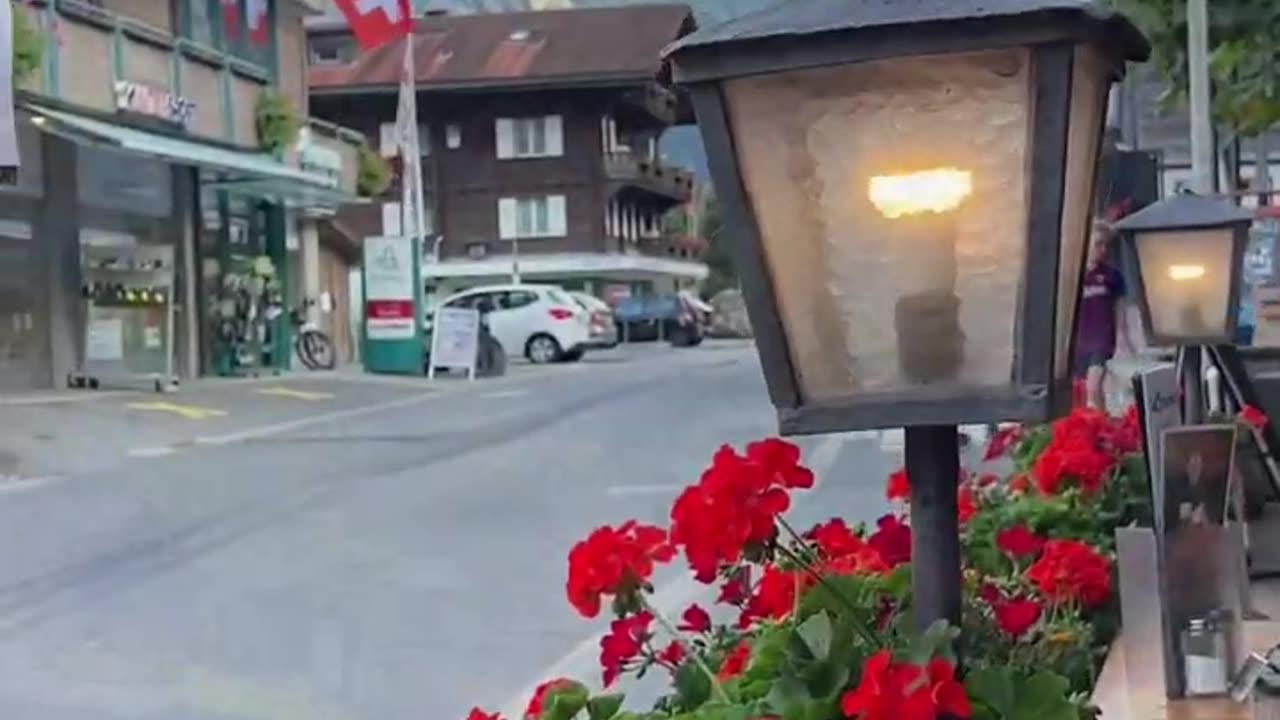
x=1189, y=253
x=907, y=187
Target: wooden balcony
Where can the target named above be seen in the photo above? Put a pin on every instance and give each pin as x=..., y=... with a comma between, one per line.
x=631, y=176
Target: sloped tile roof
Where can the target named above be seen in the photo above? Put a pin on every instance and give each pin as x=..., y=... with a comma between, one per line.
x=584, y=46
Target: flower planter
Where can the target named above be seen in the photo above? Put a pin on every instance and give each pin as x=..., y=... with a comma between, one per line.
x=818, y=624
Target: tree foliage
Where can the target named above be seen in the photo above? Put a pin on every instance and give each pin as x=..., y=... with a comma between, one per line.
x=719, y=261
x=28, y=45
x=1244, y=43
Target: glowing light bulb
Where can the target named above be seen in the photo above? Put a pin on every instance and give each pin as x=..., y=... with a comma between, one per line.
x=938, y=190
x=1186, y=272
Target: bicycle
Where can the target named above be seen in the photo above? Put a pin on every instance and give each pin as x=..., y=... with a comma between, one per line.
x=312, y=345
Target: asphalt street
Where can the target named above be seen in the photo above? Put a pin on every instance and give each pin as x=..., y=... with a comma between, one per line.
x=352, y=548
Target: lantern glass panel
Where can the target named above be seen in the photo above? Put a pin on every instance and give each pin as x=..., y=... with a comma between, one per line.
x=891, y=198
x=1090, y=81
x=1187, y=278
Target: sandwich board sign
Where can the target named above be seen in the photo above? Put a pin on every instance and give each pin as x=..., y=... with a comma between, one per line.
x=455, y=340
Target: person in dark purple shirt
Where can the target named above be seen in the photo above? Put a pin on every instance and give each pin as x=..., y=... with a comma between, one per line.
x=1100, y=317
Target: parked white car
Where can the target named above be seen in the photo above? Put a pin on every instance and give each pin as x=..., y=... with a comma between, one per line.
x=540, y=322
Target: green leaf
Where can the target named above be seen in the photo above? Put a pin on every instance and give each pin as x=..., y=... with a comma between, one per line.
x=566, y=702
x=693, y=687
x=825, y=679
x=604, y=707
x=816, y=633
x=934, y=642
x=994, y=688
x=1044, y=696
x=788, y=693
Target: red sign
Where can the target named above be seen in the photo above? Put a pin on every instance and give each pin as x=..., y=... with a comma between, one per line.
x=389, y=309
x=377, y=22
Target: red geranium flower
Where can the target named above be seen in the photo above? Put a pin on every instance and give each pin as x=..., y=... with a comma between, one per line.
x=901, y=691
x=673, y=654
x=774, y=597
x=989, y=592
x=1253, y=417
x=734, y=505
x=986, y=480
x=899, y=486
x=835, y=539
x=624, y=642
x=735, y=662
x=966, y=505
x=1071, y=571
x=534, y=710
x=1018, y=541
x=1081, y=462
x=610, y=562
x=892, y=539
x=1002, y=440
x=737, y=588
x=1016, y=617
x=696, y=620
x=1019, y=484
x=478, y=714
x=781, y=460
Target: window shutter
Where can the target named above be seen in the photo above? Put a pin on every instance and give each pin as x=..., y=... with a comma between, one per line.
x=504, y=130
x=553, y=126
x=387, y=140
x=507, y=218
x=557, y=222
x=391, y=219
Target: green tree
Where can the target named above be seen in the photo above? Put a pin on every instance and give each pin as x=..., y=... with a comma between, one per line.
x=718, y=258
x=1244, y=42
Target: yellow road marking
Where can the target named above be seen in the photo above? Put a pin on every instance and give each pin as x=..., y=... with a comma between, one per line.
x=189, y=412
x=295, y=394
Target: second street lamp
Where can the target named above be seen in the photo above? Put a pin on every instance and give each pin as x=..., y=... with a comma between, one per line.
x=1189, y=253
x=907, y=189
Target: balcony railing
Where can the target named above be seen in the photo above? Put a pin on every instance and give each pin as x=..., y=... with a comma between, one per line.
x=630, y=173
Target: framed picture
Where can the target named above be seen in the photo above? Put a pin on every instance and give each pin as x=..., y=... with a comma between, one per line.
x=1198, y=467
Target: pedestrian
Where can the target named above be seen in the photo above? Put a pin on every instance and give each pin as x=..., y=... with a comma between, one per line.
x=1101, y=317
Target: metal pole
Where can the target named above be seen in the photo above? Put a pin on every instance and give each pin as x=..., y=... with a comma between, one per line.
x=1202, y=150
x=933, y=465
x=1192, y=385
x=515, y=261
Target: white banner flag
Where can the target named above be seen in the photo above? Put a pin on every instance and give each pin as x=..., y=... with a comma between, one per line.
x=407, y=144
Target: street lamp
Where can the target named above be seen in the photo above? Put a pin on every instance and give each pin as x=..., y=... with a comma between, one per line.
x=908, y=187
x=1189, y=253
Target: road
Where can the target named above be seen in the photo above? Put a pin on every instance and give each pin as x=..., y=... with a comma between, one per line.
x=401, y=557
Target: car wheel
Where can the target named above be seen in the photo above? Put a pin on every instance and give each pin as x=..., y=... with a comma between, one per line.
x=542, y=349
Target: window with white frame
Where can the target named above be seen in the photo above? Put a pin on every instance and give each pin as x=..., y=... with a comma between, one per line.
x=393, y=222
x=530, y=137
x=532, y=217
x=388, y=142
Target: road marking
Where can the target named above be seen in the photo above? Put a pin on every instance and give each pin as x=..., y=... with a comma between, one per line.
x=150, y=452
x=670, y=598
x=189, y=412
x=287, y=426
x=295, y=394
x=503, y=394
x=17, y=483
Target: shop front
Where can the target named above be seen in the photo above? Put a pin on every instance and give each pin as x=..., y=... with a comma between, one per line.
x=163, y=256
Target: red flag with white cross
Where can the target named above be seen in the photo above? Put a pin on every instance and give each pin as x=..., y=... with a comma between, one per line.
x=377, y=22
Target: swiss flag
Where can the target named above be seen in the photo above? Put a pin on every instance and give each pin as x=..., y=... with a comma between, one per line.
x=377, y=22
x=231, y=17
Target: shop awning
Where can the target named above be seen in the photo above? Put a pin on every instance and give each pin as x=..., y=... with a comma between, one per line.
x=258, y=174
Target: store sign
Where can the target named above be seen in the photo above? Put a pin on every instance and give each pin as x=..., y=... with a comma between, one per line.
x=148, y=100
x=388, y=288
x=315, y=158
